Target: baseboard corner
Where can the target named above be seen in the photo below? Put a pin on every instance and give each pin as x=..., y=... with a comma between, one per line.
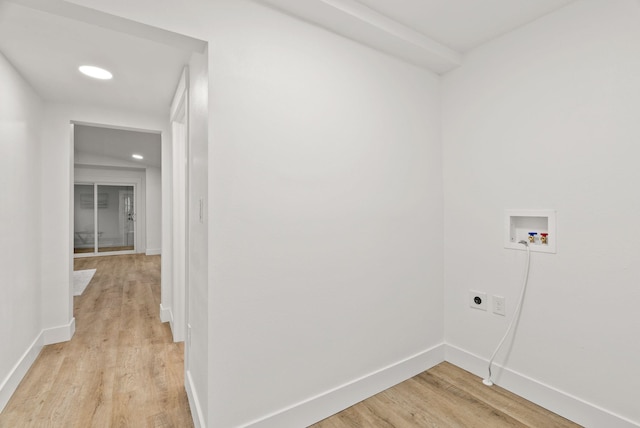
x=19, y=370
x=153, y=252
x=316, y=408
x=549, y=397
x=62, y=333
x=165, y=314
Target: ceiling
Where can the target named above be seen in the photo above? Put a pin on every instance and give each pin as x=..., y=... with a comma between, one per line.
x=46, y=40
x=433, y=34
x=48, y=43
x=117, y=145
x=464, y=24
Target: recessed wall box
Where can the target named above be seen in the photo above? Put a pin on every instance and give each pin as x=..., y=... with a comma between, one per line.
x=521, y=225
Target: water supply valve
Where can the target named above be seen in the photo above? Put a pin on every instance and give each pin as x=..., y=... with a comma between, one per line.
x=536, y=228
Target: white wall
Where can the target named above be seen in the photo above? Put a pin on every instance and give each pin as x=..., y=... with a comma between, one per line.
x=57, y=191
x=20, y=320
x=153, y=187
x=547, y=117
x=326, y=238
x=325, y=209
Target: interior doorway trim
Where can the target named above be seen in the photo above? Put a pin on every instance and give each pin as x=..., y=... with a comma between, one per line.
x=179, y=117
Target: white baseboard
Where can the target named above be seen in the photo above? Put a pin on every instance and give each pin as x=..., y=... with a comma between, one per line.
x=166, y=315
x=153, y=252
x=194, y=403
x=562, y=403
x=59, y=334
x=13, y=379
x=330, y=402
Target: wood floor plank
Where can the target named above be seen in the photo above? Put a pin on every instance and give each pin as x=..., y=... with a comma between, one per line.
x=518, y=408
x=444, y=397
x=121, y=369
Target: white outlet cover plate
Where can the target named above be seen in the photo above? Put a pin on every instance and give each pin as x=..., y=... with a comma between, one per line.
x=499, y=305
x=483, y=297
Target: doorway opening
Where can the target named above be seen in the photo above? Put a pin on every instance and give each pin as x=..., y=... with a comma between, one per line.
x=117, y=205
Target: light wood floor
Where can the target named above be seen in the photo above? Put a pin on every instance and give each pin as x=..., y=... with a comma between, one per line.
x=445, y=397
x=121, y=369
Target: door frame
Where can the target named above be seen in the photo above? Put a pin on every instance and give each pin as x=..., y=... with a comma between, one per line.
x=179, y=118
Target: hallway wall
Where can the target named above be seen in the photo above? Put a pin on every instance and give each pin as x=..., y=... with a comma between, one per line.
x=21, y=112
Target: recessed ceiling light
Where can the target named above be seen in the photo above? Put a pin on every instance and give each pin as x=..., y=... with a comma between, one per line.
x=95, y=72
x=139, y=157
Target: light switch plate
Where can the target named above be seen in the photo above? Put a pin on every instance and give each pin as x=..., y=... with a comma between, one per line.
x=499, y=305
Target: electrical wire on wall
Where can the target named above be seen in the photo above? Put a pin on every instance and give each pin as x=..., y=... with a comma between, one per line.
x=516, y=314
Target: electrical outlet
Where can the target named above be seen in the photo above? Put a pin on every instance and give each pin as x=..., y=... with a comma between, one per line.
x=499, y=305
x=478, y=300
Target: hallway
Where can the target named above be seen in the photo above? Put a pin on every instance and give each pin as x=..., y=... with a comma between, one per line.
x=120, y=369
